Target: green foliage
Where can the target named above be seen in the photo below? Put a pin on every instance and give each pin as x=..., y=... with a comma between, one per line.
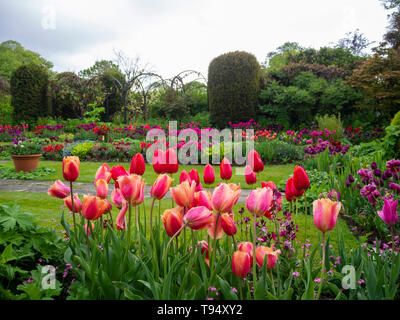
x=29, y=93
x=93, y=114
x=39, y=173
x=26, y=148
x=331, y=122
x=22, y=243
x=233, y=87
x=82, y=149
x=13, y=55
x=6, y=109
x=391, y=142
x=275, y=151
x=396, y=120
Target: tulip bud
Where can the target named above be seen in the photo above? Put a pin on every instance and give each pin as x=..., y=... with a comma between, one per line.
x=102, y=188
x=59, y=190
x=209, y=174
x=240, y=263
x=138, y=165
x=300, y=179
x=117, y=172
x=194, y=175
x=185, y=177
x=249, y=176
x=103, y=172
x=255, y=161
x=71, y=168
x=205, y=249
x=247, y=247
x=172, y=165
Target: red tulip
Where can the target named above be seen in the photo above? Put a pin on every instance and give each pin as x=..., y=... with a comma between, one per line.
x=116, y=172
x=172, y=165
x=300, y=179
x=159, y=161
x=93, y=207
x=255, y=161
x=240, y=263
x=194, y=175
x=205, y=249
x=198, y=218
x=209, y=174
x=59, y=190
x=291, y=192
x=185, y=176
x=249, y=176
x=138, y=165
x=172, y=221
x=228, y=225
x=77, y=203
x=161, y=186
x=71, y=168
x=225, y=169
x=269, y=184
x=262, y=251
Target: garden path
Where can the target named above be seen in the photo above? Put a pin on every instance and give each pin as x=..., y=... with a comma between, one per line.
x=79, y=187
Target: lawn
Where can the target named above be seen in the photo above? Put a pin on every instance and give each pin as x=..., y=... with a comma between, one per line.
x=276, y=173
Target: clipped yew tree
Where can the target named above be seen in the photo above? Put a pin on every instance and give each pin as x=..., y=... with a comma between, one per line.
x=28, y=87
x=233, y=87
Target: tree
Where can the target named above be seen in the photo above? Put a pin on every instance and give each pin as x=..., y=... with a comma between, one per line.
x=355, y=42
x=233, y=87
x=392, y=35
x=13, y=55
x=29, y=92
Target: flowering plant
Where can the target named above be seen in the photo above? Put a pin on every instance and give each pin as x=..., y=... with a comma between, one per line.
x=24, y=147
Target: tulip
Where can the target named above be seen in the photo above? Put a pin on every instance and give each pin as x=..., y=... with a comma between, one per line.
x=255, y=161
x=59, y=190
x=88, y=230
x=205, y=249
x=172, y=221
x=240, y=263
x=121, y=218
x=194, y=175
x=325, y=214
x=300, y=179
x=138, y=165
x=198, y=188
x=117, y=198
x=77, y=203
x=259, y=201
x=215, y=232
x=247, y=247
x=93, y=207
x=117, y=172
x=209, y=174
x=103, y=172
x=225, y=169
x=291, y=192
x=161, y=186
x=102, y=188
x=389, y=213
x=224, y=197
x=202, y=198
x=271, y=254
x=249, y=175
x=131, y=188
x=228, y=225
x=158, y=164
x=269, y=184
x=198, y=218
x=70, y=167
x=185, y=177
x=172, y=165
x=183, y=194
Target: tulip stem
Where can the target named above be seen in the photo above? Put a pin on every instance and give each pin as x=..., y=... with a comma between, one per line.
x=145, y=219
x=323, y=266
x=254, y=256
x=166, y=249
x=129, y=223
x=112, y=222
x=72, y=204
x=87, y=237
x=240, y=288
x=137, y=224
x=234, y=242
x=214, y=256
x=151, y=216
x=272, y=283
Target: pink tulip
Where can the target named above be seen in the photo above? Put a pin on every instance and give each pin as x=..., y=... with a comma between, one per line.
x=224, y=197
x=103, y=172
x=202, y=198
x=325, y=212
x=121, y=218
x=259, y=201
x=255, y=161
x=161, y=186
x=241, y=263
x=205, y=249
x=117, y=198
x=389, y=213
x=185, y=177
x=102, y=188
x=249, y=175
x=228, y=225
x=132, y=188
x=198, y=218
x=70, y=167
x=247, y=247
x=209, y=174
x=59, y=190
x=93, y=207
x=77, y=203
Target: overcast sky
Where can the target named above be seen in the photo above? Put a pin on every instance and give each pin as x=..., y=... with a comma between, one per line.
x=176, y=35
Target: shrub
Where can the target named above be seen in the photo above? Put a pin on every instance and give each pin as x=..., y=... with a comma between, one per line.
x=29, y=93
x=233, y=87
x=331, y=122
x=396, y=120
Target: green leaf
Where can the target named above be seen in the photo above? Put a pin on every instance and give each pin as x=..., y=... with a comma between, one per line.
x=226, y=290
x=7, y=254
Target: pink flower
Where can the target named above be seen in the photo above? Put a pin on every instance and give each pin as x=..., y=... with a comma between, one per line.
x=325, y=212
x=389, y=212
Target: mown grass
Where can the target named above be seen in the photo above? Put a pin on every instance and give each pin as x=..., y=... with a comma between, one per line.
x=48, y=210
x=275, y=173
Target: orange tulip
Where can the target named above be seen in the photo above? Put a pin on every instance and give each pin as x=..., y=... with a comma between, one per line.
x=71, y=168
x=325, y=212
x=93, y=207
x=59, y=190
x=271, y=254
x=183, y=194
x=161, y=186
x=240, y=263
x=172, y=221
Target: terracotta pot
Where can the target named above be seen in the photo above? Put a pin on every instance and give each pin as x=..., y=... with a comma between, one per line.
x=25, y=162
